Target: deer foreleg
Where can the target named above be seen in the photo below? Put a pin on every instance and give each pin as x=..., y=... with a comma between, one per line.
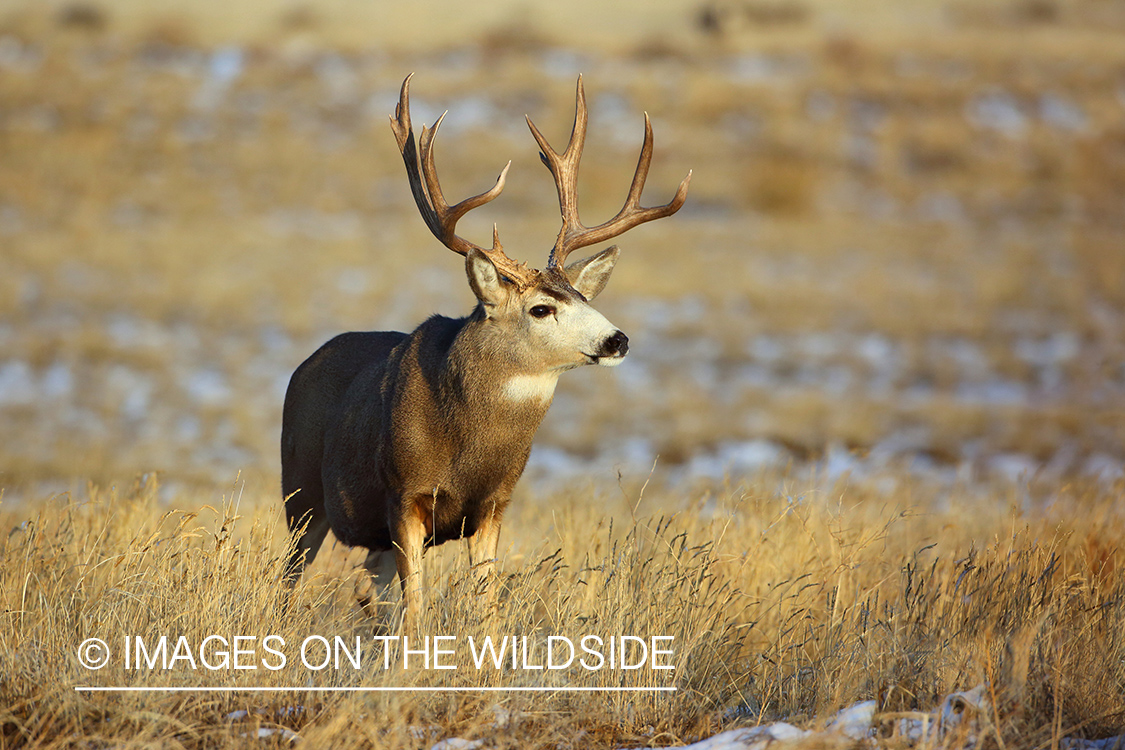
x=483, y=546
x=408, y=532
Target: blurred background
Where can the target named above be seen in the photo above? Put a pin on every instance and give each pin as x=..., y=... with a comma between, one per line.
x=902, y=256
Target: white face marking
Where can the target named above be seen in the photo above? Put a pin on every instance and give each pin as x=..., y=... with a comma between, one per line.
x=541, y=335
x=576, y=332
x=535, y=388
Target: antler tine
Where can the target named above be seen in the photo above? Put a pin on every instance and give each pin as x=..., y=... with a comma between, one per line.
x=440, y=218
x=433, y=186
x=404, y=135
x=574, y=234
x=564, y=166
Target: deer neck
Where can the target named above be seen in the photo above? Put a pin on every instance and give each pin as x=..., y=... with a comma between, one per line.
x=480, y=371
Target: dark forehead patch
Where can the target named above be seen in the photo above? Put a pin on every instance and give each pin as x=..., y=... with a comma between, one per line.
x=555, y=294
x=555, y=285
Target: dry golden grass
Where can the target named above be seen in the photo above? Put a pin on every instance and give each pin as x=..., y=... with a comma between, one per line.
x=782, y=605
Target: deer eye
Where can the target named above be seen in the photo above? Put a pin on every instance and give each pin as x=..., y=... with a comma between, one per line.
x=542, y=311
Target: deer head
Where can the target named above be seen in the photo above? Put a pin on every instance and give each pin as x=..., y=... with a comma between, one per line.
x=545, y=323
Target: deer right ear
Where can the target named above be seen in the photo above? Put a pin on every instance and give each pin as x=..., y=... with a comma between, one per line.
x=589, y=275
x=484, y=279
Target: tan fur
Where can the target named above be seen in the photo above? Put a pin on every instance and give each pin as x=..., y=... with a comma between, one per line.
x=396, y=442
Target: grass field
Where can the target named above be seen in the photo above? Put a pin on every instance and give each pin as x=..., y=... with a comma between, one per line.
x=776, y=606
x=869, y=442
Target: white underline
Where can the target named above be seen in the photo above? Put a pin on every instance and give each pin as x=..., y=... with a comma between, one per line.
x=217, y=689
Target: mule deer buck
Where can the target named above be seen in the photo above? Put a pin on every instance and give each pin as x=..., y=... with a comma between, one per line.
x=397, y=442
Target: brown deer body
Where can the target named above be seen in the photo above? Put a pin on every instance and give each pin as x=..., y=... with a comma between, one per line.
x=396, y=442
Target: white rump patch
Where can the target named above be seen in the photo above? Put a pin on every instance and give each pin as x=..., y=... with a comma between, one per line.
x=538, y=388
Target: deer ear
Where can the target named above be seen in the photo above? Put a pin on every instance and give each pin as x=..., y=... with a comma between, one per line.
x=589, y=275
x=484, y=279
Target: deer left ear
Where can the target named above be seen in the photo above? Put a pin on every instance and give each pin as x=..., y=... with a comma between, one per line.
x=589, y=275
x=484, y=279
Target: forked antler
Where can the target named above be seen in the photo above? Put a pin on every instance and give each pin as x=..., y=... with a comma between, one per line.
x=564, y=167
x=438, y=215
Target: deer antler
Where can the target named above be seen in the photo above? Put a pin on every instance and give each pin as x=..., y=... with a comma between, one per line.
x=564, y=167
x=438, y=215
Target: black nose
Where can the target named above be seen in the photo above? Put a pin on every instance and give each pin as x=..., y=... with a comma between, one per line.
x=616, y=345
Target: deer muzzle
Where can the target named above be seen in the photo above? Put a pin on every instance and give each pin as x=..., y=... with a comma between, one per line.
x=616, y=345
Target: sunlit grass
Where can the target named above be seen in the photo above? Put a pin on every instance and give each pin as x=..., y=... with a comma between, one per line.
x=781, y=605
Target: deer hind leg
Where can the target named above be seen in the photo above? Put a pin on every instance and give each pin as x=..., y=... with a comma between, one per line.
x=372, y=588
x=315, y=528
